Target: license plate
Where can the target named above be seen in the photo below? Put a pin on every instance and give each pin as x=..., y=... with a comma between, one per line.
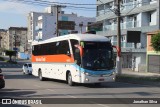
x=101, y=79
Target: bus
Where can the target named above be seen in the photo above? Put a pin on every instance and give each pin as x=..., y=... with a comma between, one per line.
x=74, y=58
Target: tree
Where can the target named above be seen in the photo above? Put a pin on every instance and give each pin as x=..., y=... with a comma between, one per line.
x=155, y=42
x=10, y=53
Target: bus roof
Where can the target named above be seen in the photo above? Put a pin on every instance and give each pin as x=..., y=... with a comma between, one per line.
x=80, y=37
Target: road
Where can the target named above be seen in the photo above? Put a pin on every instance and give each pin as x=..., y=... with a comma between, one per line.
x=28, y=86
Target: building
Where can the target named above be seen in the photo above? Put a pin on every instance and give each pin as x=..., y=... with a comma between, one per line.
x=136, y=15
x=18, y=39
x=153, y=58
x=3, y=39
x=32, y=18
x=44, y=24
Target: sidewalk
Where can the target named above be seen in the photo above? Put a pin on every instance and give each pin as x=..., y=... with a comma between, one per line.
x=17, y=59
x=145, y=78
x=127, y=71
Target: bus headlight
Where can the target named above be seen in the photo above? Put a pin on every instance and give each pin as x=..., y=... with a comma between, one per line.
x=113, y=73
x=86, y=73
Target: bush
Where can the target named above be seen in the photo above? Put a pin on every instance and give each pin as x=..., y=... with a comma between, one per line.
x=155, y=42
x=1, y=59
x=12, y=62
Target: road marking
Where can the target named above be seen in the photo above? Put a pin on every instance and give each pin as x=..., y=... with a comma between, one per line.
x=50, y=89
x=37, y=85
x=70, y=96
x=99, y=104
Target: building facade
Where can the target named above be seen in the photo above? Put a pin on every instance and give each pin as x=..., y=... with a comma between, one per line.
x=18, y=39
x=44, y=24
x=32, y=19
x=4, y=39
x=136, y=15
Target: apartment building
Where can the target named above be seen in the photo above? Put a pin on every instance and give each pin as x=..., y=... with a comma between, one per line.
x=68, y=23
x=3, y=39
x=31, y=19
x=43, y=25
x=136, y=15
x=18, y=39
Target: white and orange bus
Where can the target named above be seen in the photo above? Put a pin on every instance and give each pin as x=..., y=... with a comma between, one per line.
x=75, y=58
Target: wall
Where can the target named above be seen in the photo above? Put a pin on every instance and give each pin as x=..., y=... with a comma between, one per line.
x=154, y=18
x=22, y=55
x=48, y=27
x=140, y=60
x=143, y=40
x=145, y=19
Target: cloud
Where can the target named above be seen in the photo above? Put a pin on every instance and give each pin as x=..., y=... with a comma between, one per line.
x=18, y=8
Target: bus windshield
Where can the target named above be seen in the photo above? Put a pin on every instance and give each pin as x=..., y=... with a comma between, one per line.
x=97, y=55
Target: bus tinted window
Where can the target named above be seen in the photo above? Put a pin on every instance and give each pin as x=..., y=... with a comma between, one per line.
x=53, y=48
x=63, y=47
x=74, y=42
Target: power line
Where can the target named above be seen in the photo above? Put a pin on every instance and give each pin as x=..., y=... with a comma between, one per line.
x=45, y=3
x=64, y=3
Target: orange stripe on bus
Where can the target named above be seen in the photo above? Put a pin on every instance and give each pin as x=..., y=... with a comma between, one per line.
x=52, y=58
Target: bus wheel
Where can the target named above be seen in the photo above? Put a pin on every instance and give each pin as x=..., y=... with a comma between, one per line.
x=40, y=76
x=69, y=79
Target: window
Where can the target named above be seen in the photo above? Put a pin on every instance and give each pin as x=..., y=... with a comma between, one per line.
x=63, y=47
x=60, y=47
x=74, y=42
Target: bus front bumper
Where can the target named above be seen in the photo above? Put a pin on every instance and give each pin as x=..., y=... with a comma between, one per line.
x=97, y=79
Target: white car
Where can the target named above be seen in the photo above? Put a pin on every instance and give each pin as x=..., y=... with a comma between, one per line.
x=27, y=68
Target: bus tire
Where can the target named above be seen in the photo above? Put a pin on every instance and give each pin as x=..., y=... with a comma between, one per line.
x=69, y=79
x=41, y=78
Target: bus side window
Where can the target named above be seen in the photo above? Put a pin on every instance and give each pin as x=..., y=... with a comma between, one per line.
x=73, y=43
x=63, y=47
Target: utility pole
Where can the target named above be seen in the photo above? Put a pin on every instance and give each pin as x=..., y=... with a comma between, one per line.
x=15, y=44
x=57, y=12
x=119, y=66
x=81, y=25
x=0, y=39
x=118, y=14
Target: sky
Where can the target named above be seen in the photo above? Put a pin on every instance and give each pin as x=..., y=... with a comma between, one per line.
x=14, y=14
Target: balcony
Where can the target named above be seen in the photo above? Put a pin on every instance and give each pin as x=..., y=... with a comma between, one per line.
x=124, y=25
x=129, y=47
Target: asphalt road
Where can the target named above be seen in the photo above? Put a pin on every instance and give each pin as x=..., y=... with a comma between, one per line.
x=28, y=86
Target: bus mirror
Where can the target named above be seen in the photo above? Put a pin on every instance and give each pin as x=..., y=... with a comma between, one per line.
x=80, y=49
x=77, y=56
x=117, y=49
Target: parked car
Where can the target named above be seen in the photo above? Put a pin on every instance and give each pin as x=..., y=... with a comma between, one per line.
x=27, y=68
x=2, y=81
